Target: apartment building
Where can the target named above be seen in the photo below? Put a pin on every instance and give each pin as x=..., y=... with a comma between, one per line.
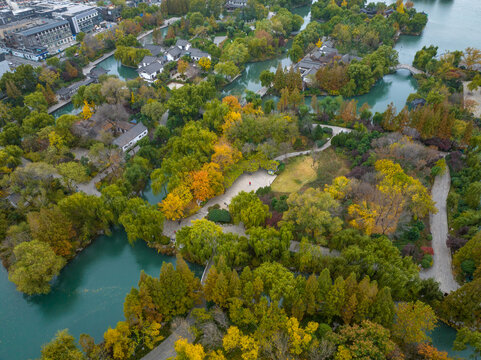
x=54, y=35
x=81, y=18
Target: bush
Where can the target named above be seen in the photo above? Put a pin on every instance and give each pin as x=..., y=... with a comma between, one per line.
x=263, y=190
x=280, y=204
x=468, y=267
x=327, y=130
x=320, y=143
x=427, y=250
x=427, y=261
x=219, y=216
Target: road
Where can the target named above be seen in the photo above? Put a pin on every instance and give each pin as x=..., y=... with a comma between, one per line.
x=441, y=271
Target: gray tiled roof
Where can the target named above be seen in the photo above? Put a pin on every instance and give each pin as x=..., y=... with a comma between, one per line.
x=151, y=68
x=198, y=53
x=50, y=25
x=125, y=138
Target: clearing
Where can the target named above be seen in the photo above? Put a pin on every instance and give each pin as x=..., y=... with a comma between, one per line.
x=299, y=171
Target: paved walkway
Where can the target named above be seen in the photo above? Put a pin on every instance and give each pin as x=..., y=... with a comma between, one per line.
x=441, y=271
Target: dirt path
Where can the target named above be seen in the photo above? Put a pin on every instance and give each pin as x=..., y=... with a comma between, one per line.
x=441, y=270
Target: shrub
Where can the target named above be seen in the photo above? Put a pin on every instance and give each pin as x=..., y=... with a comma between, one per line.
x=427, y=261
x=427, y=250
x=468, y=267
x=219, y=216
x=264, y=190
x=327, y=130
x=321, y=142
x=280, y=204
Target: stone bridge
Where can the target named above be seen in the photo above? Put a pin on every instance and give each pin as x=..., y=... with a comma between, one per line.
x=410, y=68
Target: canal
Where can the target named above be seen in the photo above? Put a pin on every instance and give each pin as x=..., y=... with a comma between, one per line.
x=88, y=295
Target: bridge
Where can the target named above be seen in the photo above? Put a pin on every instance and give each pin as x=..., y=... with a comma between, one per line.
x=410, y=68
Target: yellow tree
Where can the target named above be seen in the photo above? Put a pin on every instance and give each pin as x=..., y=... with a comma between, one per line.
x=118, y=341
x=187, y=351
x=413, y=321
x=175, y=203
x=319, y=43
x=380, y=210
x=344, y=3
x=234, y=339
x=207, y=182
x=205, y=63
x=400, y=7
x=225, y=155
x=182, y=66
x=87, y=110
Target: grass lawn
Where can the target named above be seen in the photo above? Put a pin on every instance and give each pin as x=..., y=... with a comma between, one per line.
x=298, y=172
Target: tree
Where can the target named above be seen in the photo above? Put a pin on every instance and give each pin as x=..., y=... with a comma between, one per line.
x=87, y=110
x=63, y=347
x=431, y=353
x=199, y=241
x=364, y=341
x=311, y=214
x=118, y=341
x=187, y=351
x=413, y=322
x=466, y=336
x=207, y=182
x=205, y=63
x=472, y=57
x=36, y=265
x=182, y=66
x=51, y=226
x=130, y=56
x=227, y=69
x=73, y=172
x=248, y=209
x=36, y=101
x=142, y=221
x=266, y=77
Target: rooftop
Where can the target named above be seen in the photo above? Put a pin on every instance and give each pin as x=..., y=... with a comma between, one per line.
x=127, y=137
x=51, y=24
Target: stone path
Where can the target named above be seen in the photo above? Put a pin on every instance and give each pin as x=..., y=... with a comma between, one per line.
x=441, y=270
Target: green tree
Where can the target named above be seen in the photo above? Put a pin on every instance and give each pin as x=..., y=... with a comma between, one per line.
x=311, y=214
x=266, y=77
x=199, y=241
x=73, y=172
x=466, y=336
x=36, y=101
x=142, y=221
x=227, y=69
x=36, y=265
x=248, y=209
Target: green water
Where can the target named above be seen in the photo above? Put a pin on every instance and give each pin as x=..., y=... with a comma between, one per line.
x=87, y=297
x=115, y=68
x=89, y=293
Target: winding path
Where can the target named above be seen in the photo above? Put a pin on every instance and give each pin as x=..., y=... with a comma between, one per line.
x=246, y=182
x=441, y=270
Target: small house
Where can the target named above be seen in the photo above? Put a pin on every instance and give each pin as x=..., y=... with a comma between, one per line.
x=131, y=137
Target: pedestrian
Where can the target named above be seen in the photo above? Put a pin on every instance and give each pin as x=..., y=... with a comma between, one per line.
x=249, y=183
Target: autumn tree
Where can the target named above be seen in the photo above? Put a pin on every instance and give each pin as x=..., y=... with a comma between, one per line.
x=118, y=341
x=182, y=66
x=62, y=346
x=205, y=63
x=413, y=321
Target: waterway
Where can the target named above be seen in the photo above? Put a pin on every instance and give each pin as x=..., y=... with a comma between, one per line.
x=88, y=295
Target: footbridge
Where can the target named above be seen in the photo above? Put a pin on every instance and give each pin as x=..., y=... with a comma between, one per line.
x=410, y=68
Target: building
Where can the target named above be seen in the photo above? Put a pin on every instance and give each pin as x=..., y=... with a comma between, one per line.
x=53, y=35
x=149, y=73
x=7, y=30
x=110, y=13
x=131, y=137
x=81, y=18
x=231, y=5
x=197, y=54
x=8, y=16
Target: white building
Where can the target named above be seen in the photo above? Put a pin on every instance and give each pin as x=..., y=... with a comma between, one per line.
x=131, y=137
